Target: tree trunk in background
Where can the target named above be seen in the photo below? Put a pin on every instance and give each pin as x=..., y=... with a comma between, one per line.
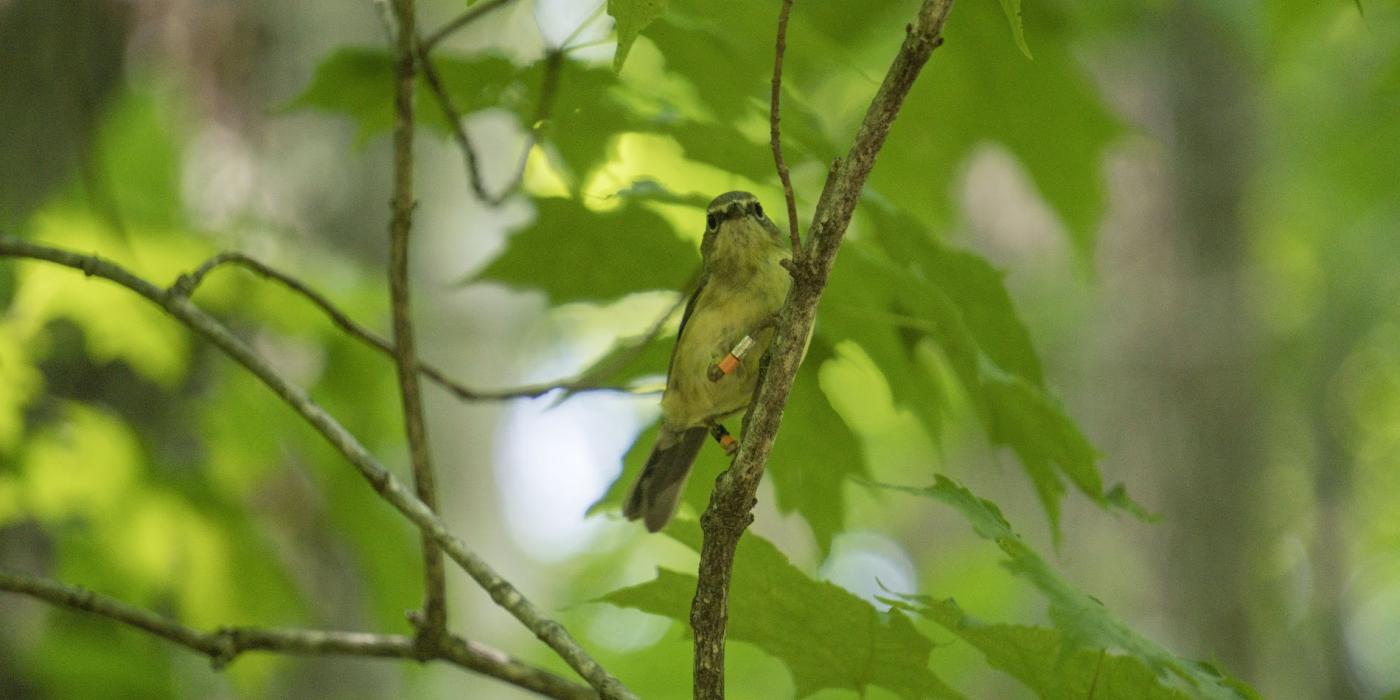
x=1187, y=404
x=1210, y=350
x=1332, y=467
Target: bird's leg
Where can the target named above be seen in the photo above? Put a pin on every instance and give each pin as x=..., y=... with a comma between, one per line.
x=725, y=440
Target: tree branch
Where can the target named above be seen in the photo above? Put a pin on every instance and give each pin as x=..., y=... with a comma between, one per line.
x=188, y=283
x=432, y=626
x=549, y=82
x=458, y=22
x=732, y=500
x=383, y=482
x=775, y=133
x=226, y=644
x=386, y=19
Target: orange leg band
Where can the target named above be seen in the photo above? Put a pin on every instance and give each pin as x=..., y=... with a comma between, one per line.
x=729, y=364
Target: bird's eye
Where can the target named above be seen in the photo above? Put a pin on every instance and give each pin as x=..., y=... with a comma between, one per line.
x=758, y=210
x=711, y=222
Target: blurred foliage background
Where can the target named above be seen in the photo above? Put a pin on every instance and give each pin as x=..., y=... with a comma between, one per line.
x=1155, y=246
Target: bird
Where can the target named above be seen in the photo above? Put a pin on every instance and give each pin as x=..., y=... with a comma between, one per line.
x=742, y=286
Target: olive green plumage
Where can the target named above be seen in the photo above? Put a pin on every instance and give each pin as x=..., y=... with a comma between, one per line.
x=742, y=286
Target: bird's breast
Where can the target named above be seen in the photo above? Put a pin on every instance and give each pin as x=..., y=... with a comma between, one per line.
x=730, y=307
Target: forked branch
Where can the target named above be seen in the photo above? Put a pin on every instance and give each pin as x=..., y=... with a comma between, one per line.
x=226, y=644
x=384, y=483
x=775, y=132
x=462, y=20
x=187, y=283
x=432, y=625
x=732, y=500
x=549, y=84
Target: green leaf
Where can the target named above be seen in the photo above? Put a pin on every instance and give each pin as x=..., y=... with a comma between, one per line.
x=1013, y=16
x=825, y=635
x=1048, y=113
x=722, y=146
x=631, y=359
x=586, y=115
x=1080, y=619
x=971, y=283
x=1014, y=413
x=815, y=455
x=1037, y=657
x=859, y=306
x=632, y=17
x=574, y=254
x=358, y=82
x=958, y=301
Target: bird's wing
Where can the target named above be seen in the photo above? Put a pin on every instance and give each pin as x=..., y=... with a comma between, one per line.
x=685, y=316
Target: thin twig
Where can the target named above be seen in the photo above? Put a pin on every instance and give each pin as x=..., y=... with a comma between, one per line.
x=227, y=643
x=187, y=283
x=386, y=19
x=549, y=82
x=458, y=22
x=775, y=134
x=432, y=626
x=384, y=483
x=568, y=43
x=638, y=345
x=433, y=621
x=732, y=501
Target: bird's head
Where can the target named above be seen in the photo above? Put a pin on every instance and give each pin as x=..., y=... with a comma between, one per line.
x=737, y=230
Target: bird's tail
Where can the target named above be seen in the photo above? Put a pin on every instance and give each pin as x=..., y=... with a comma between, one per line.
x=657, y=492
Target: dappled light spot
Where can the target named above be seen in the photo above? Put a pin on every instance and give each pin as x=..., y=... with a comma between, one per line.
x=869, y=565
x=624, y=630
x=553, y=461
x=84, y=465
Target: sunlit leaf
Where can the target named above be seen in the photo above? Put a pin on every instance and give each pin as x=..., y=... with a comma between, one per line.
x=21, y=381
x=586, y=115
x=815, y=455
x=632, y=17
x=82, y=466
x=825, y=635
x=860, y=306
x=117, y=326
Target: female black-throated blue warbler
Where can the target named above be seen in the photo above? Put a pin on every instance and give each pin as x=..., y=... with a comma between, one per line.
x=742, y=287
